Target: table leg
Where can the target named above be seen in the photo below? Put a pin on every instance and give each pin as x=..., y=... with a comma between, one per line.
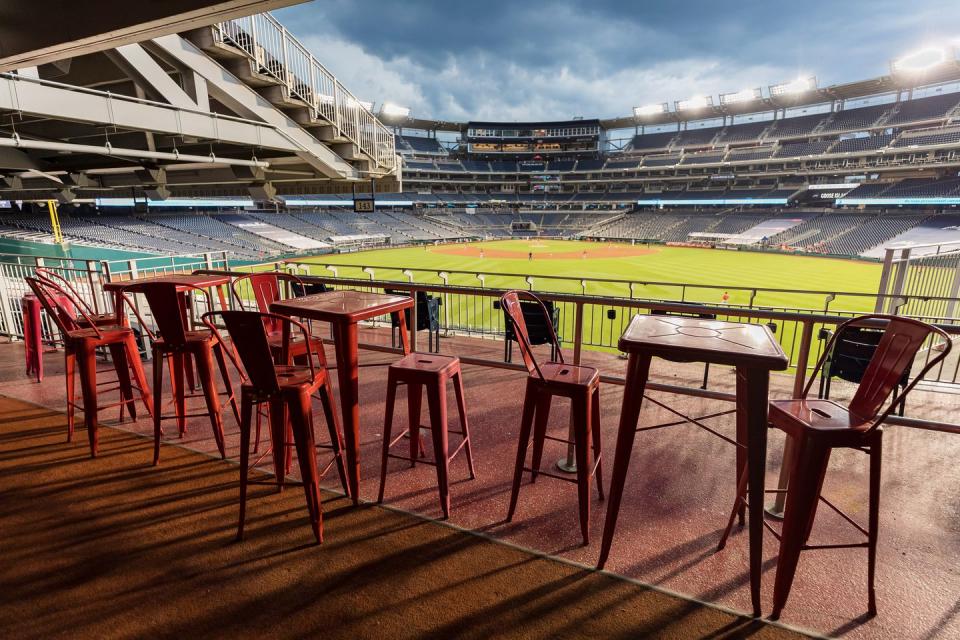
x=638, y=370
x=401, y=319
x=345, y=347
x=742, y=440
x=753, y=400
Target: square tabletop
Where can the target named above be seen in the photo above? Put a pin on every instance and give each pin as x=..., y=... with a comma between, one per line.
x=343, y=305
x=685, y=339
x=184, y=279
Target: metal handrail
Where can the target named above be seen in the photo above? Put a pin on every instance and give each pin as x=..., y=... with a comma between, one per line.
x=283, y=57
x=799, y=357
x=682, y=286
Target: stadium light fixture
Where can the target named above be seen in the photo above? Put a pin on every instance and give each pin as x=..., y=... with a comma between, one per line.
x=921, y=60
x=695, y=103
x=800, y=85
x=747, y=95
x=651, y=109
x=390, y=109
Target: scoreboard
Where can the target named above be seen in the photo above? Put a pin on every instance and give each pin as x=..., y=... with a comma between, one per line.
x=363, y=205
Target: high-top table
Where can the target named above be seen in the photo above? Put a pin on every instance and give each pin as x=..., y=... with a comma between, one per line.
x=344, y=309
x=753, y=350
x=184, y=283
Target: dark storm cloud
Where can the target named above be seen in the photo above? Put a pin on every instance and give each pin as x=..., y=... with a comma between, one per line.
x=542, y=59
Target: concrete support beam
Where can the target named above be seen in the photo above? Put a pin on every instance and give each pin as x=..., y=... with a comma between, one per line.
x=241, y=99
x=59, y=103
x=137, y=63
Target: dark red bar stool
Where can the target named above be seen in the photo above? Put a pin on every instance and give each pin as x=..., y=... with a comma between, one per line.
x=819, y=426
x=81, y=339
x=268, y=287
x=581, y=385
x=176, y=343
x=430, y=370
x=288, y=390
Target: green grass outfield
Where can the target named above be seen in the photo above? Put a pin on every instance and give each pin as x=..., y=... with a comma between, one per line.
x=559, y=265
x=664, y=264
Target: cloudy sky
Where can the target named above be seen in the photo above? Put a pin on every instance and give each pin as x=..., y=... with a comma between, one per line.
x=543, y=59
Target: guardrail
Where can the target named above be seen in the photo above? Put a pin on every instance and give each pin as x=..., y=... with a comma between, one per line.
x=470, y=311
x=281, y=56
x=587, y=321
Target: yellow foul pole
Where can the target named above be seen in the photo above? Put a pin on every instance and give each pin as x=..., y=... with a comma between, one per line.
x=55, y=221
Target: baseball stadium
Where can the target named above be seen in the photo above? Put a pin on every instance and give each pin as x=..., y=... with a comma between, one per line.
x=701, y=351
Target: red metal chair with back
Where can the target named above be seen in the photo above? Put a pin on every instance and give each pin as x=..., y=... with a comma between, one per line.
x=817, y=426
x=546, y=380
x=107, y=319
x=288, y=389
x=82, y=336
x=175, y=343
x=267, y=288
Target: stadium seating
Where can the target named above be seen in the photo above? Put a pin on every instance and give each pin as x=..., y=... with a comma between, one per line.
x=800, y=149
x=746, y=132
x=420, y=144
x=652, y=141
x=929, y=137
x=865, y=143
x=857, y=119
x=798, y=126
x=924, y=109
x=697, y=137
x=749, y=153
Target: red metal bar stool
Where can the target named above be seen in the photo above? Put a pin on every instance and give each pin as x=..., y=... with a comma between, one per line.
x=581, y=385
x=819, y=426
x=267, y=288
x=33, y=332
x=81, y=340
x=433, y=371
x=176, y=343
x=288, y=390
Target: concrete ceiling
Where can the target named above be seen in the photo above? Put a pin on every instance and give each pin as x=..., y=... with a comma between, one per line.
x=34, y=32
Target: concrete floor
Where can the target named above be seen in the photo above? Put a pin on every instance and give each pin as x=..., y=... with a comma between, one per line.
x=677, y=497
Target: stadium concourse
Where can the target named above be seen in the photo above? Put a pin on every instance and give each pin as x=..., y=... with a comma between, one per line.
x=196, y=158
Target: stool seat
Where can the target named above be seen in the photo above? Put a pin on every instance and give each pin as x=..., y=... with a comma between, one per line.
x=427, y=363
x=823, y=418
x=430, y=370
x=573, y=377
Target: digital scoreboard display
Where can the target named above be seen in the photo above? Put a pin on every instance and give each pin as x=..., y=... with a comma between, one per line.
x=363, y=205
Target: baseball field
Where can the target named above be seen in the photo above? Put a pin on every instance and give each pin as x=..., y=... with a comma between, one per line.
x=711, y=276
x=658, y=271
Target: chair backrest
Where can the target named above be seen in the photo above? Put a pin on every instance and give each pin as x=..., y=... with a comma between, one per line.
x=67, y=287
x=164, y=301
x=892, y=359
x=300, y=289
x=540, y=326
x=513, y=303
x=250, y=336
x=58, y=305
x=428, y=310
x=853, y=351
x=267, y=288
